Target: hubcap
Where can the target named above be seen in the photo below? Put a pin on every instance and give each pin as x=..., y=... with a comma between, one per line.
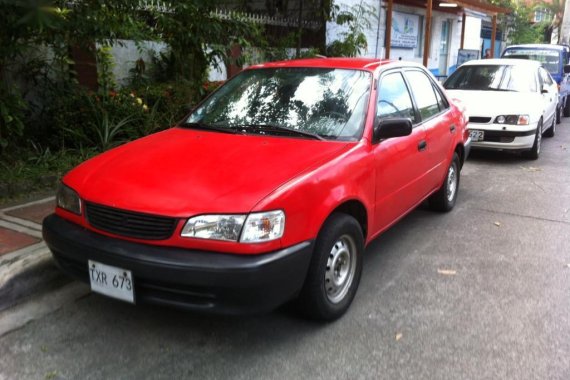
x=451, y=183
x=341, y=266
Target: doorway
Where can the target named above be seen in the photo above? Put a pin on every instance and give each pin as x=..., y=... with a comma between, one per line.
x=444, y=46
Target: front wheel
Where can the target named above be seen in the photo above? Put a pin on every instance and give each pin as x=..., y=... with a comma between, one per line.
x=566, y=107
x=444, y=199
x=534, y=152
x=550, y=132
x=335, y=269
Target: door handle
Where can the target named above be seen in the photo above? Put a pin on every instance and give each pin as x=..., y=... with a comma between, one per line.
x=452, y=128
x=422, y=145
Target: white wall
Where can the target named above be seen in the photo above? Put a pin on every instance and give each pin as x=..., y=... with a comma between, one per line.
x=375, y=37
x=127, y=52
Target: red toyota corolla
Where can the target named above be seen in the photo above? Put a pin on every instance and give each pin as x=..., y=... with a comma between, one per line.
x=267, y=192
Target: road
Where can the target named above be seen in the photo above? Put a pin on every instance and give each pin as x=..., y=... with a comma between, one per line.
x=482, y=292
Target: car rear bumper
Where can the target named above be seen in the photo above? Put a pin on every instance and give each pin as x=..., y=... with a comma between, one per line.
x=194, y=280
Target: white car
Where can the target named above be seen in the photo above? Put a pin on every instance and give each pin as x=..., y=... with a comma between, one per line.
x=511, y=103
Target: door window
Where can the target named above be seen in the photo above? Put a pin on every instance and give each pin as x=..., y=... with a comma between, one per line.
x=424, y=94
x=394, y=98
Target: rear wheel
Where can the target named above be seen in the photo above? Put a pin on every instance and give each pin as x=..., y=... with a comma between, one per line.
x=566, y=107
x=444, y=199
x=534, y=152
x=559, y=112
x=335, y=269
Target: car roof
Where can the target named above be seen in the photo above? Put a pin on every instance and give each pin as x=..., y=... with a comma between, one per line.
x=367, y=64
x=538, y=46
x=503, y=61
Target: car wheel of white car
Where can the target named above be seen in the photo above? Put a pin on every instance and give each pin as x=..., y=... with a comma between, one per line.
x=534, y=152
x=444, y=199
x=335, y=269
x=550, y=132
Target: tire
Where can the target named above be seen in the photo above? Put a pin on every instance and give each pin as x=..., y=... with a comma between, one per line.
x=559, y=112
x=566, y=107
x=327, y=294
x=550, y=132
x=444, y=199
x=534, y=152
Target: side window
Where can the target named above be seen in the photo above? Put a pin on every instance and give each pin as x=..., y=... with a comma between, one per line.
x=545, y=77
x=424, y=94
x=394, y=98
x=443, y=105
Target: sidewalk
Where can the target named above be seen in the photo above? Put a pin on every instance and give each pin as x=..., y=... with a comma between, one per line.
x=26, y=266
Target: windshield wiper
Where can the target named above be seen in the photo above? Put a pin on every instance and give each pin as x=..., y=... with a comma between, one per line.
x=279, y=129
x=501, y=89
x=208, y=127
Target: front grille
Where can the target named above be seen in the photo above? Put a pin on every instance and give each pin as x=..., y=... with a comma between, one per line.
x=479, y=119
x=128, y=223
x=500, y=139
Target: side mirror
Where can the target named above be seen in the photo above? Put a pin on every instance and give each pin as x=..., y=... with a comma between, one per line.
x=392, y=127
x=544, y=89
x=566, y=69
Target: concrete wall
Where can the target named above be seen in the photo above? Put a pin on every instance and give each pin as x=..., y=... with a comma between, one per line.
x=126, y=53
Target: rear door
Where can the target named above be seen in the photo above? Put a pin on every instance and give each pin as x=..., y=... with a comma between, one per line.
x=437, y=120
x=400, y=163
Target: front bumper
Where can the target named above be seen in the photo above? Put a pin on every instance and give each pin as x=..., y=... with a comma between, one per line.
x=511, y=139
x=194, y=280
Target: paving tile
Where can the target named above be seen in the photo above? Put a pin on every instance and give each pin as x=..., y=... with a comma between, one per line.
x=11, y=240
x=35, y=213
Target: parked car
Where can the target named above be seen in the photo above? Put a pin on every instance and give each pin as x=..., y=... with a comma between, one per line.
x=554, y=58
x=268, y=191
x=510, y=103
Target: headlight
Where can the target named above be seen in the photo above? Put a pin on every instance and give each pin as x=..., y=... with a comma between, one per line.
x=512, y=119
x=68, y=199
x=217, y=227
x=252, y=228
x=263, y=226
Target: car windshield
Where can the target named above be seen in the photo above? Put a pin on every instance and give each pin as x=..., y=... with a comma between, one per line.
x=301, y=102
x=492, y=78
x=550, y=59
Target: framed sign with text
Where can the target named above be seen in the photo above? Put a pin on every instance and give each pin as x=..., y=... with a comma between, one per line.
x=405, y=29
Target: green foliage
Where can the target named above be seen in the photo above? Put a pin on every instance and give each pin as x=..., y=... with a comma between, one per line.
x=356, y=20
x=12, y=108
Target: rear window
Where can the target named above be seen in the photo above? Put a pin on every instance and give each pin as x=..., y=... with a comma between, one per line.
x=492, y=78
x=550, y=59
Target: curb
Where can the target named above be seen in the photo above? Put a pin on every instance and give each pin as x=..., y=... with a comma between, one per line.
x=29, y=270
x=26, y=272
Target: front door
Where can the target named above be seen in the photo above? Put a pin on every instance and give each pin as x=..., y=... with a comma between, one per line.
x=399, y=163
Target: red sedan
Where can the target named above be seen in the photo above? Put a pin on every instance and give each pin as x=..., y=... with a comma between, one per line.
x=268, y=191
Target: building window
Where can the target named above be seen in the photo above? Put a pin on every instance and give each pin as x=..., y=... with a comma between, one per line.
x=419, y=49
x=541, y=15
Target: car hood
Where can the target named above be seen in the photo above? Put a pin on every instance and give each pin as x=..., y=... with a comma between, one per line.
x=182, y=172
x=493, y=103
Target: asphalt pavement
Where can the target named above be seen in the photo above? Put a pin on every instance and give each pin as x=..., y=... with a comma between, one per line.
x=482, y=292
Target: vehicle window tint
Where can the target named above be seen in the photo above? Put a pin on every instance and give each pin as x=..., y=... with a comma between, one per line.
x=492, y=78
x=394, y=98
x=423, y=94
x=443, y=105
x=549, y=58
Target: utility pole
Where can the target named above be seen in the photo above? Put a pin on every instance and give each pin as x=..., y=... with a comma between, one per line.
x=564, y=37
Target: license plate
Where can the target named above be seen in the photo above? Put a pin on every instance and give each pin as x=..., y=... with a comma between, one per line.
x=476, y=135
x=111, y=281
